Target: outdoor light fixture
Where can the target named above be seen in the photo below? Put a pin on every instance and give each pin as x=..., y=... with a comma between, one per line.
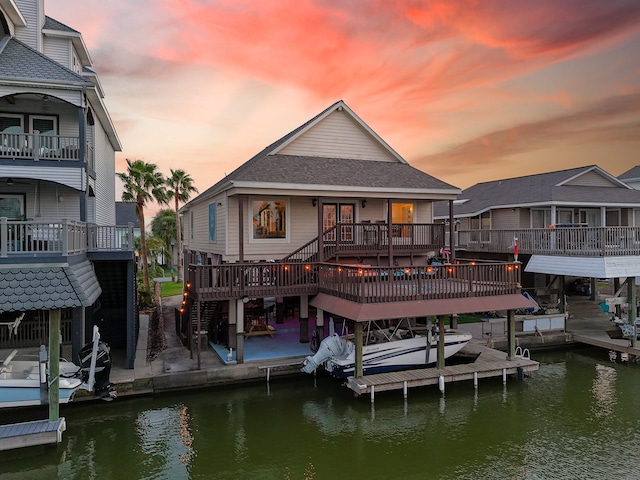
x=364, y=203
x=314, y=201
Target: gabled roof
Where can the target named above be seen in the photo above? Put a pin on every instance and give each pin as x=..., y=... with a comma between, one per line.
x=553, y=188
x=632, y=174
x=54, y=28
x=270, y=169
x=19, y=62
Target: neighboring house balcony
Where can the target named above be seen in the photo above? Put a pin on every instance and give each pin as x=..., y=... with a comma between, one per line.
x=575, y=241
x=38, y=146
x=21, y=239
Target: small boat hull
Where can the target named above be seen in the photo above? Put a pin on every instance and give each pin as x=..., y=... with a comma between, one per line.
x=397, y=355
x=337, y=354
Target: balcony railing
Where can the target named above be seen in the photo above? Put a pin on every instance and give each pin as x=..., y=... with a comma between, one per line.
x=63, y=238
x=355, y=283
x=565, y=241
x=371, y=239
x=35, y=146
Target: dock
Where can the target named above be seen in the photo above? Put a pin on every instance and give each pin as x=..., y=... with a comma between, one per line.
x=29, y=434
x=489, y=363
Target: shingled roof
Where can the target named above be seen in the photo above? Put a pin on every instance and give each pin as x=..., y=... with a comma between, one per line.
x=539, y=190
x=269, y=169
x=47, y=287
x=18, y=61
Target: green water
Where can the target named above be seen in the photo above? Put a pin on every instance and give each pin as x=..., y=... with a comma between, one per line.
x=576, y=418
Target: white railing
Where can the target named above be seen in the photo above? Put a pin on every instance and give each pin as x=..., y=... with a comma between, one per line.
x=34, y=146
x=566, y=241
x=62, y=238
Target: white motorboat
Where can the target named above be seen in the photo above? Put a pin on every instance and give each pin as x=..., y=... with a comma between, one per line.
x=24, y=381
x=384, y=350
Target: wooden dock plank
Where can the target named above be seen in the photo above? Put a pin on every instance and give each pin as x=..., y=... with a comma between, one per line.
x=489, y=363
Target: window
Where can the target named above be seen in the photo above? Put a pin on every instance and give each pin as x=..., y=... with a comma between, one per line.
x=540, y=218
x=12, y=206
x=269, y=219
x=212, y=222
x=612, y=218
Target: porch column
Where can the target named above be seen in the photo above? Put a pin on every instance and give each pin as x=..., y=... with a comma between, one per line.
x=239, y=330
x=358, y=340
x=304, y=318
x=452, y=245
x=593, y=286
x=320, y=231
x=511, y=334
x=240, y=228
x=440, y=359
x=631, y=311
x=603, y=216
x=389, y=233
x=553, y=215
x=54, y=365
x=198, y=330
x=131, y=317
x=561, y=300
x=279, y=310
x=82, y=158
x=233, y=321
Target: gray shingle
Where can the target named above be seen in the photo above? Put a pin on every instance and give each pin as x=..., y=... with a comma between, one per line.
x=28, y=287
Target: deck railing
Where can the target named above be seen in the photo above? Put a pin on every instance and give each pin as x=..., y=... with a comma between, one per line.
x=62, y=238
x=371, y=239
x=35, y=146
x=356, y=283
x=565, y=241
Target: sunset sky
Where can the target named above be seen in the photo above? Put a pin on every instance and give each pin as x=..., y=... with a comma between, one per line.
x=466, y=91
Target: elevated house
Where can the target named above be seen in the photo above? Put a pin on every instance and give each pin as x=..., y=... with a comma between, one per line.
x=60, y=248
x=329, y=217
x=580, y=222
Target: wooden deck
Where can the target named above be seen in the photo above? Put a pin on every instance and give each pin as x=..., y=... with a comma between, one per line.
x=617, y=345
x=29, y=434
x=489, y=363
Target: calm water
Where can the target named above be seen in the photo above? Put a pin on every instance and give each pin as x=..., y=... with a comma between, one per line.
x=577, y=418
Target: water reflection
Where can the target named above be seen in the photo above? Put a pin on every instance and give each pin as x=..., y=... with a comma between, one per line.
x=572, y=419
x=604, y=393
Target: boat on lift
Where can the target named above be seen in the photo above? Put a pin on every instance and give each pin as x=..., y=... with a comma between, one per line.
x=385, y=349
x=24, y=382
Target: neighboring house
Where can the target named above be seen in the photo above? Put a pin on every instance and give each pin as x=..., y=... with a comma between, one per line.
x=580, y=222
x=59, y=245
x=125, y=215
x=330, y=201
x=631, y=177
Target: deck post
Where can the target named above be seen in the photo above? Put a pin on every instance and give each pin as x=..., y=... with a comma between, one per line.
x=440, y=360
x=198, y=330
x=54, y=365
x=304, y=318
x=358, y=340
x=631, y=310
x=511, y=332
x=240, y=328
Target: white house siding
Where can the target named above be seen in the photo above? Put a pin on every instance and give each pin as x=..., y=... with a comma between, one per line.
x=58, y=49
x=423, y=212
x=504, y=219
x=337, y=136
x=591, y=179
x=31, y=33
x=105, y=189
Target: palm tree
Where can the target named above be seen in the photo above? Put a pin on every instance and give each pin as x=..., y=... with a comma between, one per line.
x=143, y=183
x=163, y=226
x=180, y=186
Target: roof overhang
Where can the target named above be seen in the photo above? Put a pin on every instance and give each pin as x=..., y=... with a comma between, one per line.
x=364, y=312
x=48, y=286
x=594, y=267
x=13, y=12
